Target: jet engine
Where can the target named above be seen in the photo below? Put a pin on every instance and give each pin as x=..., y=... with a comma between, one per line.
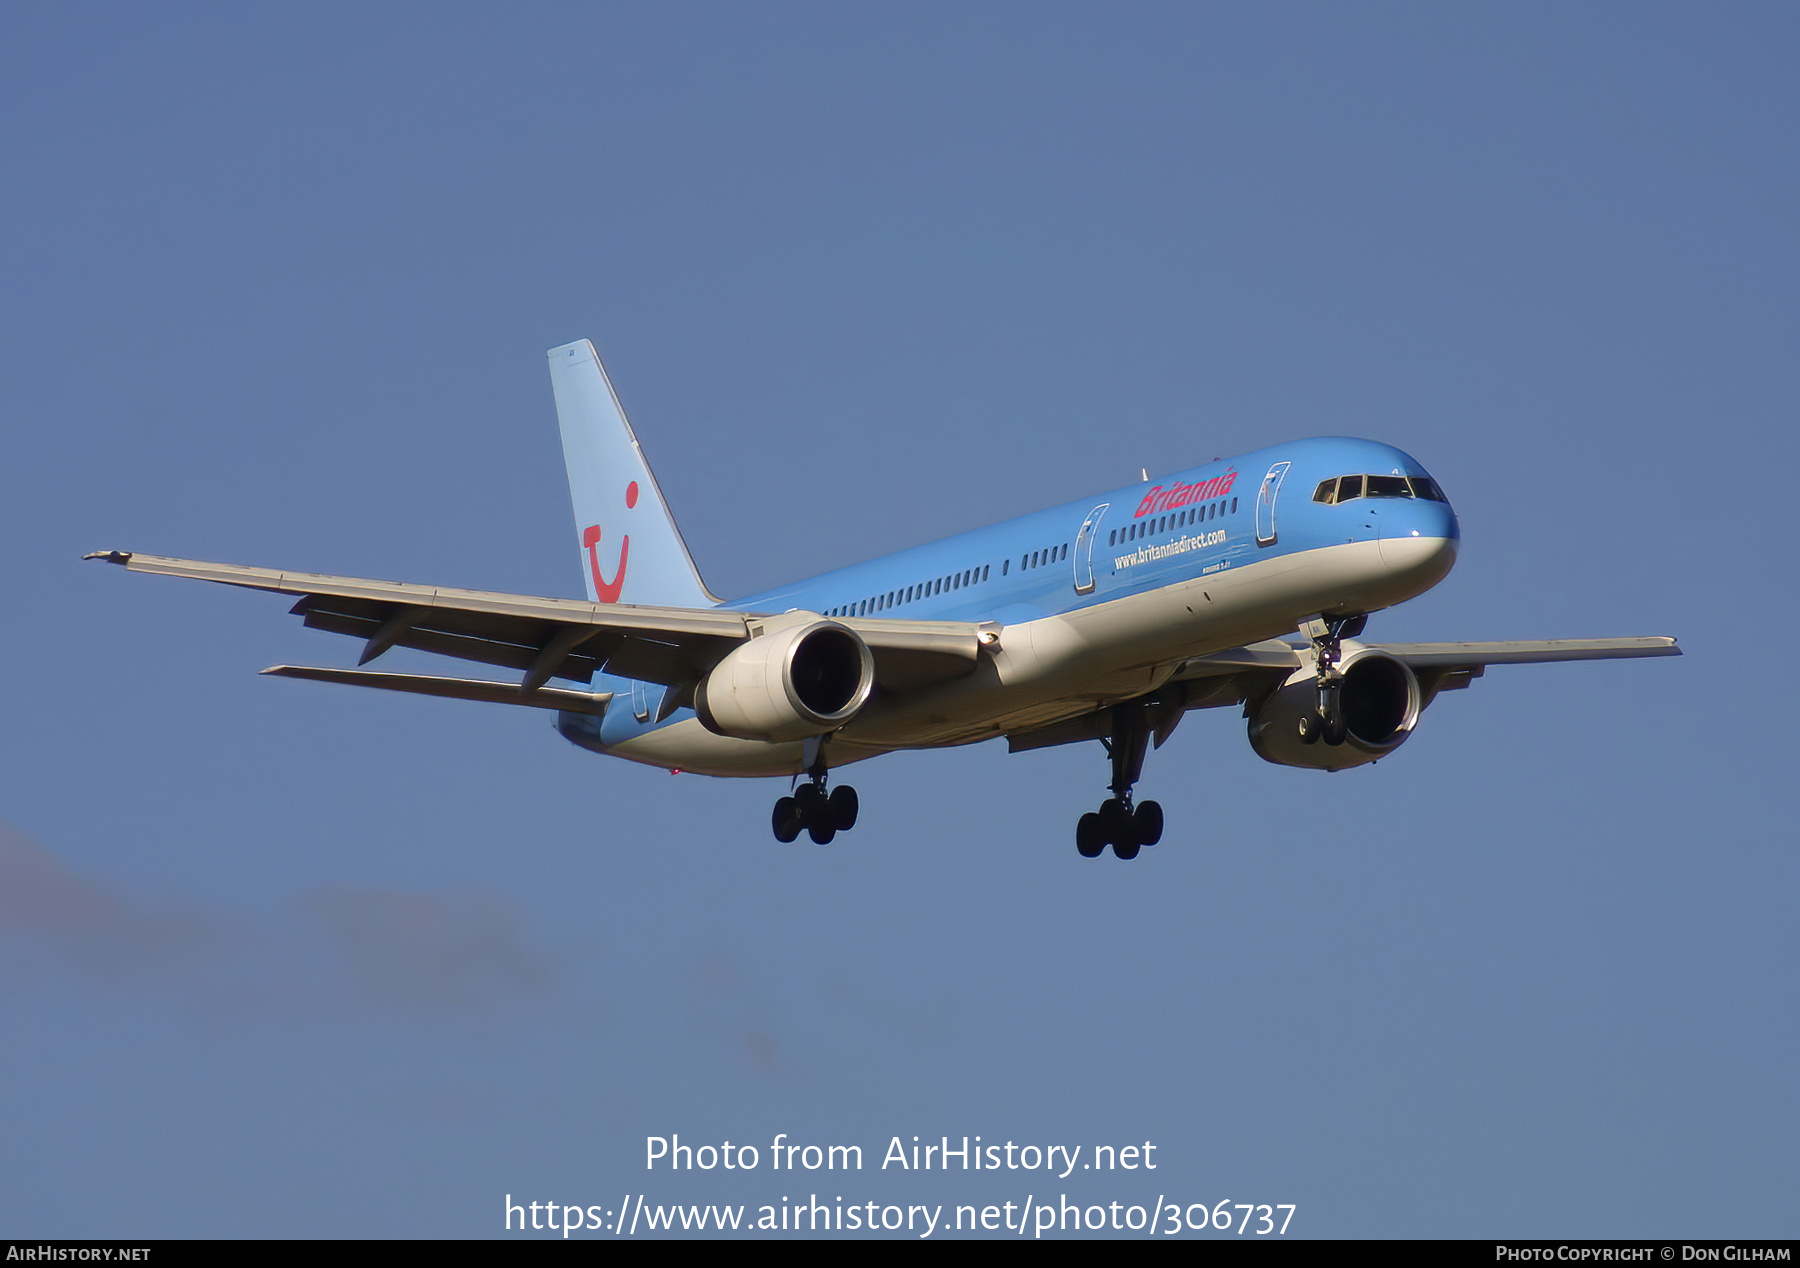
x=1381, y=702
x=805, y=677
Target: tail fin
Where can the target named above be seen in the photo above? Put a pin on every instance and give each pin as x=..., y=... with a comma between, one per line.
x=631, y=551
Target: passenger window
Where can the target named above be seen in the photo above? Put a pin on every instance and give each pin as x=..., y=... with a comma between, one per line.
x=1234, y=506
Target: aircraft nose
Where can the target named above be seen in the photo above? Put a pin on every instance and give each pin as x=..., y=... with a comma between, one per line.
x=1421, y=541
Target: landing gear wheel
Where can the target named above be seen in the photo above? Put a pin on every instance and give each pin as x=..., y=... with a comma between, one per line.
x=1147, y=823
x=786, y=820
x=842, y=806
x=1115, y=819
x=1126, y=847
x=1090, y=837
x=811, y=800
x=1335, y=730
x=821, y=833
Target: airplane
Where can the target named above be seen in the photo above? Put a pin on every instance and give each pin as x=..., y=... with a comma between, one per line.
x=1106, y=619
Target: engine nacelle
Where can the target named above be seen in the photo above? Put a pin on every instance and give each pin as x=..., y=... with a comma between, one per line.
x=805, y=677
x=1381, y=703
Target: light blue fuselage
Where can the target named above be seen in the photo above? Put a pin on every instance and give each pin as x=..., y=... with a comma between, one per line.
x=1222, y=518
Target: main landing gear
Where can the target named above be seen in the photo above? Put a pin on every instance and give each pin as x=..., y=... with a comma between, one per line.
x=1327, y=633
x=1118, y=823
x=822, y=816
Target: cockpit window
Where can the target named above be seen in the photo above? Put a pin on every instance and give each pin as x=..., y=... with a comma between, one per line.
x=1350, y=487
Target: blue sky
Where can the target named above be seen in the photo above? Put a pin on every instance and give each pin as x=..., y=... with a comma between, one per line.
x=278, y=958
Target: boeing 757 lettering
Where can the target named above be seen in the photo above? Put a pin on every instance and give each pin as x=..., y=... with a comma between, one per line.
x=1106, y=619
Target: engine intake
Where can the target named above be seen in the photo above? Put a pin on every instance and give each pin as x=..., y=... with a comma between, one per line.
x=805, y=678
x=1381, y=703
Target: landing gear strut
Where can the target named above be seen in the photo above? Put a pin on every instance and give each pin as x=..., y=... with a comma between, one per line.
x=1118, y=823
x=1327, y=634
x=822, y=816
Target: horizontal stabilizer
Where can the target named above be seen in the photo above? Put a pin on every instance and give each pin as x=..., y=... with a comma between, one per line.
x=594, y=702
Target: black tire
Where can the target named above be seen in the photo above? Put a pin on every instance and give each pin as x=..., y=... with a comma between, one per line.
x=1147, y=823
x=786, y=821
x=1090, y=837
x=1115, y=820
x=821, y=833
x=811, y=802
x=1335, y=730
x=843, y=806
x=1127, y=847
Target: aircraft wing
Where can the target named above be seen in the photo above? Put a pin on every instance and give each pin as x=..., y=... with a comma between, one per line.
x=1275, y=654
x=1242, y=674
x=1526, y=652
x=1451, y=666
x=553, y=638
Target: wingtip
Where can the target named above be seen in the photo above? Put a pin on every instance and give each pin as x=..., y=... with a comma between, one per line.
x=110, y=556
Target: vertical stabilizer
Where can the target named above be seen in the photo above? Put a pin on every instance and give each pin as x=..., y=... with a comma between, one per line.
x=631, y=551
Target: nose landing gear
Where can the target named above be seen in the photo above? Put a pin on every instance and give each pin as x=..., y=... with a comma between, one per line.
x=1327, y=634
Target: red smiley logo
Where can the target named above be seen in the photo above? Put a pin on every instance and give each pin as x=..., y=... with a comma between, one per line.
x=608, y=591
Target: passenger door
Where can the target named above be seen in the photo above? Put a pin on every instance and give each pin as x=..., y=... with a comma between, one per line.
x=1265, y=503
x=1084, y=549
